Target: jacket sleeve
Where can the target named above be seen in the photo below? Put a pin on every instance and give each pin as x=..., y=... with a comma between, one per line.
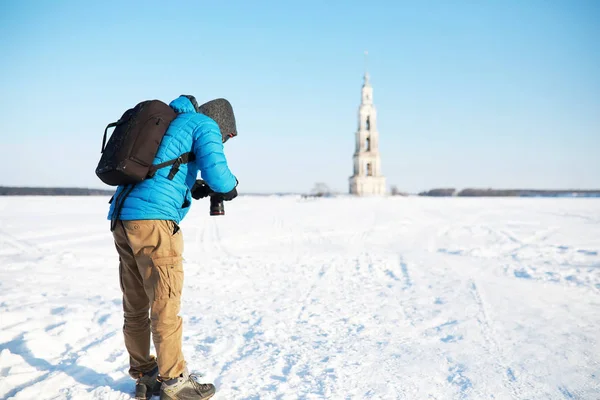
x=210, y=158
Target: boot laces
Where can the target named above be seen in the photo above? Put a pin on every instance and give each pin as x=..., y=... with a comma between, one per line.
x=197, y=385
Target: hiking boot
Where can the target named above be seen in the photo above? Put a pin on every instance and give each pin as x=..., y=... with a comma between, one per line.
x=147, y=385
x=186, y=387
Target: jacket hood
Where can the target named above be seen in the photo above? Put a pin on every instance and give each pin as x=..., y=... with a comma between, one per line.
x=183, y=104
x=221, y=112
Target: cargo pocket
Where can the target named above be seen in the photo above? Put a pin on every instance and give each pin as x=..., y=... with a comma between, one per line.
x=167, y=277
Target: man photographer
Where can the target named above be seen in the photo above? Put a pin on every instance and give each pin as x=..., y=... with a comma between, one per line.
x=150, y=244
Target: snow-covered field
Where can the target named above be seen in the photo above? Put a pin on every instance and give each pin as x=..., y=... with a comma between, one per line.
x=336, y=298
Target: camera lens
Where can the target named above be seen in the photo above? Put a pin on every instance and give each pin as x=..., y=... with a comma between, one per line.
x=216, y=206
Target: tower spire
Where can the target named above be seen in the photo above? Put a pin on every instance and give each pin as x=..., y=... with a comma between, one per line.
x=366, y=66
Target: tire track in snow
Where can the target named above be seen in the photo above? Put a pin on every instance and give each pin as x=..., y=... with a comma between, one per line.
x=201, y=237
x=208, y=238
x=400, y=277
x=457, y=371
x=400, y=281
x=307, y=298
x=21, y=246
x=404, y=269
x=244, y=349
x=67, y=363
x=534, y=240
x=218, y=242
x=48, y=245
x=298, y=364
x=488, y=332
x=79, y=238
x=250, y=344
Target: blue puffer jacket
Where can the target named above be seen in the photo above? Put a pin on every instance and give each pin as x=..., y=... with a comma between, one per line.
x=161, y=198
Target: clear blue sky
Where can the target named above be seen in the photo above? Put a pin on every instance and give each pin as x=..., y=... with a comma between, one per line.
x=498, y=94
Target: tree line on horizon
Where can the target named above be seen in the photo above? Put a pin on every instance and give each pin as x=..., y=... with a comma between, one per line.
x=473, y=192
x=52, y=191
x=322, y=190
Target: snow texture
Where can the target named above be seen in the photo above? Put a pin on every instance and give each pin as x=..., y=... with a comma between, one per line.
x=329, y=298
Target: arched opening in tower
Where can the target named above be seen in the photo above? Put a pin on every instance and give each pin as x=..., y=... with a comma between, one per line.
x=368, y=123
x=369, y=169
x=368, y=144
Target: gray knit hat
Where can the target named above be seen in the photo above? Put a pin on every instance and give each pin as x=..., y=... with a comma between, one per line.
x=221, y=112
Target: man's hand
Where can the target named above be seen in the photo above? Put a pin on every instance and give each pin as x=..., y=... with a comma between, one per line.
x=200, y=190
x=232, y=194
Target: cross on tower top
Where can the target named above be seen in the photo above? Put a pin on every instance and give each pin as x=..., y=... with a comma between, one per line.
x=366, y=67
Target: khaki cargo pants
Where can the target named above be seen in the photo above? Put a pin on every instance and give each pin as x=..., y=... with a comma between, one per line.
x=151, y=278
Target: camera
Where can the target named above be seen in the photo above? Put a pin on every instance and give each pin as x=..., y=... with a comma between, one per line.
x=216, y=204
x=201, y=190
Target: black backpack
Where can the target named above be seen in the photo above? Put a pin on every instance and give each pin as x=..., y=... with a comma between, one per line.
x=127, y=157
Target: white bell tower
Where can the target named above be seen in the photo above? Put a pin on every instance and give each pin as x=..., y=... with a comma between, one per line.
x=367, y=178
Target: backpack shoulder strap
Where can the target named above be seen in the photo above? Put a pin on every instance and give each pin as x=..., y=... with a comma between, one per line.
x=176, y=163
x=111, y=125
